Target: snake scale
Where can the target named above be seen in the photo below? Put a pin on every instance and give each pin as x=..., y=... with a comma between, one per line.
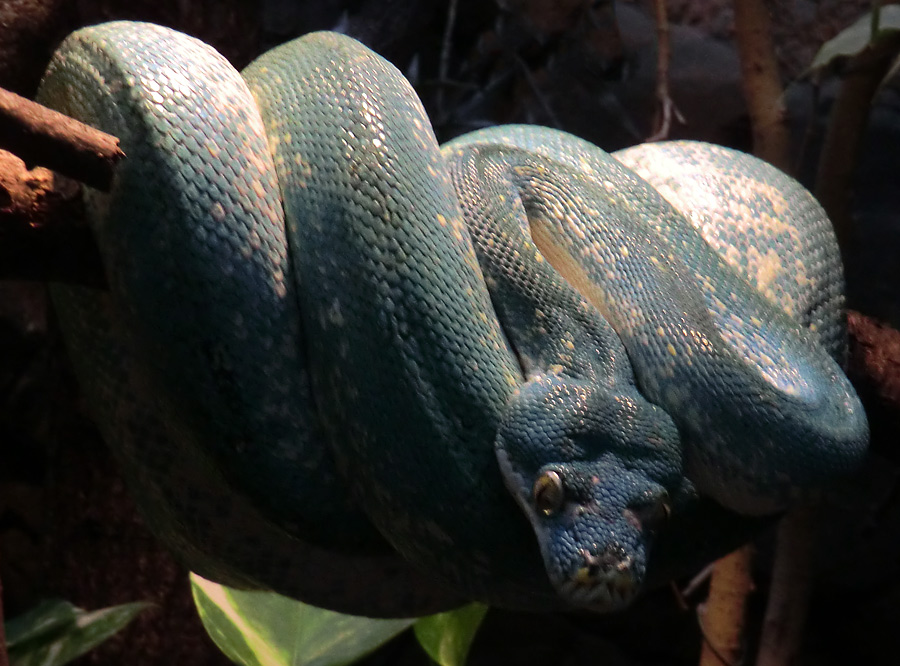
x=341, y=362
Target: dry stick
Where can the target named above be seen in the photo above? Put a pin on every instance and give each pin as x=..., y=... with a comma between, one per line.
x=789, y=592
x=761, y=82
x=43, y=235
x=722, y=619
x=843, y=138
x=41, y=136
x=667, y=108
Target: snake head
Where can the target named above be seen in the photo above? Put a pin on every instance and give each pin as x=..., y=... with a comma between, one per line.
x=592, y=469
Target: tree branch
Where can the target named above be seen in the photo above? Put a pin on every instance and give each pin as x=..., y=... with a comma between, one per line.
x=722, y=621
x=761, y=82
x=41, y=136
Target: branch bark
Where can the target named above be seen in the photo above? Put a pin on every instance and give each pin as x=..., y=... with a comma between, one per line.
x=761, y=82
x=43, y=137
x=722, y=621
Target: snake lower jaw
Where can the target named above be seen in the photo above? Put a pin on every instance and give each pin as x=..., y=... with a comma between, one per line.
x=602, y=584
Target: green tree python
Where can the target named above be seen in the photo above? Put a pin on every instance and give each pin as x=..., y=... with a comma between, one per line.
x=339, y=361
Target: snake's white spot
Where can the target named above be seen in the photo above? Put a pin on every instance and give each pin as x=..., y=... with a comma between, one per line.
x=335, y=316
x=217, y=211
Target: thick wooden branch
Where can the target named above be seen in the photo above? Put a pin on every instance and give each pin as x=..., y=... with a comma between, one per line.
x=723, y=618
x=43, y=137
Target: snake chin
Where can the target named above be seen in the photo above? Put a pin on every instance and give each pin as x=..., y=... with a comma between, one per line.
x=603, y=582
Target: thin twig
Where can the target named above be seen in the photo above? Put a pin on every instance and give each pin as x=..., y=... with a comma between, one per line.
x=667, y=109
x=43, y=137
x=701, y=578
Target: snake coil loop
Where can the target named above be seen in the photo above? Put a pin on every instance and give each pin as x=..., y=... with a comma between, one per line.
x=339, y=361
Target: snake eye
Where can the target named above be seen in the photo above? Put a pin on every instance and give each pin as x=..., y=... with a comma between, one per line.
x=548, y=493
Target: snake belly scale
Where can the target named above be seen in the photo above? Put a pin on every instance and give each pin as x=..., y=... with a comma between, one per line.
x=464, y=373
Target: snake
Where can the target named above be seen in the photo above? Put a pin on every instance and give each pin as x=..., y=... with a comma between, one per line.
x=342, y=362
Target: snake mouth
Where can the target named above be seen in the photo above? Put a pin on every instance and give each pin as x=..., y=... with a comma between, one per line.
x=602, y=582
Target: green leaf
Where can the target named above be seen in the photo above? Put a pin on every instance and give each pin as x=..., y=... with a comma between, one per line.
x=56, y=632
x=266, y=629
x=853, y=40
x=447, y=637
x=48, y=616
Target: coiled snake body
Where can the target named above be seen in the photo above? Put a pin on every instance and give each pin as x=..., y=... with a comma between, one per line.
x=340, y=362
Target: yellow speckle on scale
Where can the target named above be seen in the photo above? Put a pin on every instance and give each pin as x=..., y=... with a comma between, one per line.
x=755, y=321
x=570, y=345
x=659, y=331
x=442, y=220
x=287, y=137
x=623, y=251
x=671, y=349
x=217, y=212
